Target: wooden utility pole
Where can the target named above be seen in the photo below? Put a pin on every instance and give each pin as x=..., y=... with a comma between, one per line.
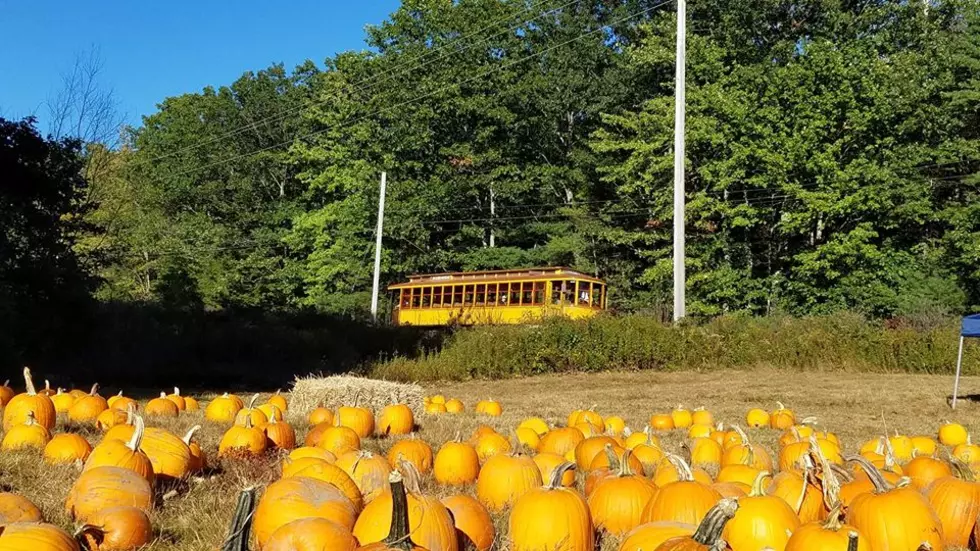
x=680, y=99
x=377, y=248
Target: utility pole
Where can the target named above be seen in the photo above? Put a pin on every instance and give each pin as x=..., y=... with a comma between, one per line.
x=377, y=248
x=680, y=99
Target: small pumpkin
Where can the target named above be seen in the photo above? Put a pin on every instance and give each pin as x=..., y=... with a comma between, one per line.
x=358, y=419
x=279, y=401
x=491, y=444
x=368, y=471
x=28, y=435
x=662, y=422
x=454, y=405
x=110, y=418
x=682, y=418
x=320, y=415
x=456, y=464
x=199, y=461
x=952, y=434
x=121, y=402
x=223, y=409
x=271, y=411
x=923, y=470
x=552, y=517
x=395, y=420
x=761, y=521
x=161, y=407
x=782, y=418
x=257, y=417
x=66, y=448
x=415, y=451
x=617, y=503
x=17, y=508
x=701, y=416
x=247, y=439
x=489, y=407
x=177, y=399
x=6, y=393
x=561, y=441
x=279, y=434
x=536, y=424
x=757, y=418
x=62, y=401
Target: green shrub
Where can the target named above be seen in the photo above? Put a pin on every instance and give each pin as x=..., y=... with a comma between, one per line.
x=839, y=341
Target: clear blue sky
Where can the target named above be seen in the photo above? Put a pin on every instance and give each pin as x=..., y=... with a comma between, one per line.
x=152, y=50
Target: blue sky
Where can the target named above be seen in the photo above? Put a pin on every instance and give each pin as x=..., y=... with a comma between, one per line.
x=152, y=50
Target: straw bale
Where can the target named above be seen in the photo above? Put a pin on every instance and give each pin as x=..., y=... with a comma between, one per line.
x=339, y=390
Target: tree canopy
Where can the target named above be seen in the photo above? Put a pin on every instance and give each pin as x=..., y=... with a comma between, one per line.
x=833, y=160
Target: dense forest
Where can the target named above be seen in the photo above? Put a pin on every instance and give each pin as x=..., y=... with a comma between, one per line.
x=833, y=162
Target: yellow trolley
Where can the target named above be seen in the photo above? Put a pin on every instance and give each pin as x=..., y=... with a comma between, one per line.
x=497, y=297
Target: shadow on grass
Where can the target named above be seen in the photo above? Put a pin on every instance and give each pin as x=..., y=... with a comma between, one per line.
x=145, y=346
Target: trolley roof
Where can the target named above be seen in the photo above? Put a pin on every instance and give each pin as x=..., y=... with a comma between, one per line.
x=493, y=276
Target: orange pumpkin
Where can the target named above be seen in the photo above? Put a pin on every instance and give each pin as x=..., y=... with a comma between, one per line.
x=617, y=503
x=456, y=463
x=6, y=393
x=33, y=536
x=320, y=415
x=28, y=435
x=395, y=420
x=415, y=451
x=358, y=419
x=552, y=517
x=100, y=488
x=368, y=471
x=782, y=418
x=337, y=440
x=400, y=536
x=121, y=402
x=128, y=455
x=117, y=529
x=246, y=440
x=762, y=521
x=957, y=503
x=504, y=478
x=62, y=401
x=279, y=434
x=294, y=498
x=430, y=523
x=311, y=467
x=474, y=527
x=685, y=500
x=223, y=409
x=161, y=407
x=178, y=400
x=199, y=461
x=17, y=508
x=66, y=448
x=561, y=441
x=311, y=534
x=875, y=513
x=708, y=536
x=16, y=410
x=924, y=470
x=548, y=462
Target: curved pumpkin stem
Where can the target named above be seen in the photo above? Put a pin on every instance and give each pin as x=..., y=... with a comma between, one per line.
x=399, y=534
x=94, y=391
x=624, y=466
x=684, y=471
x=741, y=433
x=831, y=484
x=758, y=488
x=251, y=403
x=6, y=382
x=47, y=384
x=614, y=463
x=29, y=382
x=879, y=482
x=410, y=475
x=190, y=434
x=710, y=530
x=780, y=406
x=130, y=413
x=137, y=438
x=557, y=474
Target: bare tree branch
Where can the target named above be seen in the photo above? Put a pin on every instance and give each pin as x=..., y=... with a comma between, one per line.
x=83, y=107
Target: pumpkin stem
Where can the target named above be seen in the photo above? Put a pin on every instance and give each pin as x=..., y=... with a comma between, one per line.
x=241, y=523
x=710, y=530
x=741, y=433
x=780, y=406
x=120, y=394
x=6, y=382
x=879, y=482
x=924, y=547
x=130, y=413
x=614, y=463
x=831, y=484
x=808, y=421
x=176, y=391
x=190, y=434
x=94, y=391
x=807, y=469
x=758, y=486
x=412, y=478
x=137, y=438
x=962, y=470
x=398, y=535
x=31, y=419
x=248, y=421
x=684, y=471
x=251, y=403
x=92, y=531
x=29, y=382
x=557, y=474
x=624, y=466
x=163, y=395
x=852, y=541
x=834, y=519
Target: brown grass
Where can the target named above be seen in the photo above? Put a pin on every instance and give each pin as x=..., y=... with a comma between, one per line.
x=855, y=406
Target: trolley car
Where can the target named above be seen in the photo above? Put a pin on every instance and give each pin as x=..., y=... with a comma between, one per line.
x=497, y=297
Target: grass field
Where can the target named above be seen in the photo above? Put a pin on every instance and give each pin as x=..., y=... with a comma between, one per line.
x=855, y=406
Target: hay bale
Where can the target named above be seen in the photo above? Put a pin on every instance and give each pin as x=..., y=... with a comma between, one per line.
x=340, y=390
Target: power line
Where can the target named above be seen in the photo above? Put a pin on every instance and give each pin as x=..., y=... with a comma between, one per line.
x=430, y=93
x=389, y=76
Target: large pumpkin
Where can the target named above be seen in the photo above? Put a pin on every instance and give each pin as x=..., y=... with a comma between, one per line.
x=395, y=420
x=33, y=536
x=957, y=503
x=893, y=518
x=430, y=523
x=17, y=508
x=279, y=434
x=117, y=529
x=505, y=478
x=311, y=534
x=104, y=487
x=617, y=503
x=368, y=471
x=685, y=500
x=15, y=412
x=762, y=521
x=400, y=536
x=358, y=419
x=474, y=527
x=708, y=536
x=319, y=469
x=223, y=409
x=127, y=455
x=552, y=517
x=169, y=454
x=299, y=497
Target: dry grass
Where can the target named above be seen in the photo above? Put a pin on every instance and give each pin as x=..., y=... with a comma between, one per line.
x=855, y=406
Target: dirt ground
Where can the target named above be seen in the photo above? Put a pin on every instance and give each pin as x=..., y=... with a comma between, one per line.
x=855, y=406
